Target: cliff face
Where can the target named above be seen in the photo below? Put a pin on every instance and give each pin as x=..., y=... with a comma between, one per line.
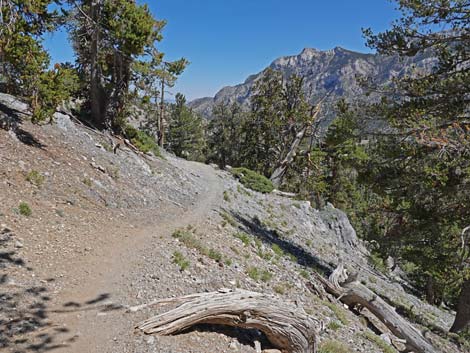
x=332, y=71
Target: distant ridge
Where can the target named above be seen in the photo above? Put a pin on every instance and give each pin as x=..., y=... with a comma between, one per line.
x=334, y=70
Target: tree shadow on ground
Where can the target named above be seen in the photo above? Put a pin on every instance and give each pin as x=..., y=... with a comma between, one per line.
x=255, y=227
x=243, y=336
x=25, y=309
x=11, y=119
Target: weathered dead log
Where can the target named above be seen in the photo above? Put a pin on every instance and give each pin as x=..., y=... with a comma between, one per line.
x=287, y=327
x=284, y=194
x=353, y=293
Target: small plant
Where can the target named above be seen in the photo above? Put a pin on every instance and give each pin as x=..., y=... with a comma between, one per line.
x=292, y=257
x=277, y=250
x=228, y=262
x=253, y=273
x=378, y=263
x=180, y=260
x=226, y=196
x=379, y=342
x=334, y=325
x=266, y=276
x=107, y=147
x=113, y=172
x=331, y=346
x=243, y=237
x=144, y=142
x=215, y=255
x=228, y=219
x=296, y=205
x=279, y=289
x=24, y=209
x=35, y=178
x=304, y=273
x=253, y=180
x=338, y=311
x=189, y=240
x=87, y=182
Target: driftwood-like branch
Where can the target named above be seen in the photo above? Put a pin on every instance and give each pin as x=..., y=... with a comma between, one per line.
x=353, y=293
x=287, y=327
x=280, y=171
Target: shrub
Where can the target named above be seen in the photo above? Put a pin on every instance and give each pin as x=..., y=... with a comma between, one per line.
x=338, y=311
x=226, y=196
x=35, y=178
x=143, y=141
x=180, y=260
x=253, y=180
x=379, y=342
x=243, y=237
x=215, y=255
x=331, y=346
x=277, y=250
x=228, y=219
x=24, y=209
x=253, y=273
x=266, y=276
x=334, y=325
x=87, y=182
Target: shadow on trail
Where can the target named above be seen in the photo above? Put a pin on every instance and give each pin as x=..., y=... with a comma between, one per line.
x=25, y=308
x=268, y=236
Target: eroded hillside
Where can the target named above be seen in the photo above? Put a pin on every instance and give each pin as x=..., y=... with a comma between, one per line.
x=108, y=231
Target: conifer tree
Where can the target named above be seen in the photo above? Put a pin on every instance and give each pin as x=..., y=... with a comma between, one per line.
x=108, y=37
x=186, y=131
x=24, y=63
x=422, y=168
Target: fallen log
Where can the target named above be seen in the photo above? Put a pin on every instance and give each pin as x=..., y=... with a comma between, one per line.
x=287, y=327
x=353, y=293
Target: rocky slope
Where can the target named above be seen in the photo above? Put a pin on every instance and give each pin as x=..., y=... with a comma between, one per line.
x=333, y=71
x=110, y=231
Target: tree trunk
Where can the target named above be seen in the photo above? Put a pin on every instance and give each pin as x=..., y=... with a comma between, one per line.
x=161, y=137
x=287, y=327
x=430, y=292
x=97, y=97
x=462, y=319
x=278, y=175
x=353, y=293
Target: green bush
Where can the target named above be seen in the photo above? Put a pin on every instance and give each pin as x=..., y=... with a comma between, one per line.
x=243, y=237
x=143, y=141
x=215, y=255
x=35, y=178
x=24, y=209
x=180, y=260
x=253, y=180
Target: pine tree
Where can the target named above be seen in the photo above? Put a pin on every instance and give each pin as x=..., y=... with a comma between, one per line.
x=186, y=136
x=108, y=37
x=422, y=168
x=225, y=136
x=24, y=63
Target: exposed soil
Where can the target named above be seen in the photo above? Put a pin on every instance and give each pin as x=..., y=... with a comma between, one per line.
x=101, y=238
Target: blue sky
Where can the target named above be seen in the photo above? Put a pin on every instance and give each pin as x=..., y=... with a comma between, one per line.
x=227, y=40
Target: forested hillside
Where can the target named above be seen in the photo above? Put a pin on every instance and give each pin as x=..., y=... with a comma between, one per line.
x=324, y=202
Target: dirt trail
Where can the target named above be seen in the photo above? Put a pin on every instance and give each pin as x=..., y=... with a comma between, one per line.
x=108, y=271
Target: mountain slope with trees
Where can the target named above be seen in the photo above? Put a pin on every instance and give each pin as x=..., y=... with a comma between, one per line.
x=333, y=73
